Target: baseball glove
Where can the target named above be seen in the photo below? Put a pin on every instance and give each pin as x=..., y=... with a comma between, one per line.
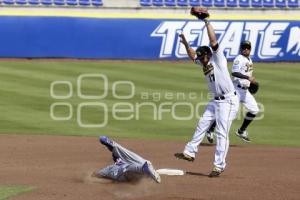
x=253, y=88
x=200, y=12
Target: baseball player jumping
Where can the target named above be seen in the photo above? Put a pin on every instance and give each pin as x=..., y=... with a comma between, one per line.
x=242, y=70
x=223, y=108
x=127, y=165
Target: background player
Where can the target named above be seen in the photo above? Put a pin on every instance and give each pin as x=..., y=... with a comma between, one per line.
x=128, y=166
x=223, y=108
x=242, y=70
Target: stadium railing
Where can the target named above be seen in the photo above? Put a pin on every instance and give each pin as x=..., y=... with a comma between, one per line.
x=57, y=3
x=222, y=3
x=259, y=4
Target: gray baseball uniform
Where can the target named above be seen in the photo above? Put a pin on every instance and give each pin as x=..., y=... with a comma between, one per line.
x=127, y=166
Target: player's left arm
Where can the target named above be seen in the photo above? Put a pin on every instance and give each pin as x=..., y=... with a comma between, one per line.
x=211, y=35
x=217, y=53
x=202, y=14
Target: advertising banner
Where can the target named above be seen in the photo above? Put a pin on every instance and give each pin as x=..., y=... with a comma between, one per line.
x=153, y=39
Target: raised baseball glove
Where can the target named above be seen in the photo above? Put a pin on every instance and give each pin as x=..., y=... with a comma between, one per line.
x=253, y=88
x=200, y=12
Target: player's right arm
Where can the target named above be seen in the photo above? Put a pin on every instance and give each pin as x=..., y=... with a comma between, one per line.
x=236, y=71
x=190, y=51
x=242, y=76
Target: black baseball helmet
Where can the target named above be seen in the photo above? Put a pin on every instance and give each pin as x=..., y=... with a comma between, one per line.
x=246, y=45
x=203, y=50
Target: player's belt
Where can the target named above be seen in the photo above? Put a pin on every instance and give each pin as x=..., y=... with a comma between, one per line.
x=242, y=87
x=225, y=96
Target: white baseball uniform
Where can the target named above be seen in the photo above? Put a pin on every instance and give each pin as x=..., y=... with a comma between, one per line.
x=222, y=109
x=244, y=66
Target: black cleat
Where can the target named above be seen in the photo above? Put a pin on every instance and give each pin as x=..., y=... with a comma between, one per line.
x=210, y=137
x=243, y=135
x=215, y=172
x=184, y=156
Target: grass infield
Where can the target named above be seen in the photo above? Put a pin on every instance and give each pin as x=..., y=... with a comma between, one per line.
x=9, y=191
x=26, y=99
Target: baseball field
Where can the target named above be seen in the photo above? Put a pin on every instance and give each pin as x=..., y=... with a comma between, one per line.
x=54, y=110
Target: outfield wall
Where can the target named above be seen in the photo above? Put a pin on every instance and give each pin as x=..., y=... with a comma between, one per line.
x=136, y=36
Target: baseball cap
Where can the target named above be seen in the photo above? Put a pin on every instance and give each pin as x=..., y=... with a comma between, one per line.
x=203, y=50
x=246, y=44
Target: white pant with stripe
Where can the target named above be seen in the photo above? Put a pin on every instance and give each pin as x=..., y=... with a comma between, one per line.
x=247, y=99
x=223, y=112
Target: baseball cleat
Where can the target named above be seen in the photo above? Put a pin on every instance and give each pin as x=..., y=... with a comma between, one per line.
x=150, y=171
x=184, y=156
x=210, y=137
x=215, y=172
x=107, y=142
x=243, y=135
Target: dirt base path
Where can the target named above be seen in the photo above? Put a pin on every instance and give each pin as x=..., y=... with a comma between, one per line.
x=60, y=167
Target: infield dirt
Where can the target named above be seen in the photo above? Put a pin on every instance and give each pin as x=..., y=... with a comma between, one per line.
x=59, y=167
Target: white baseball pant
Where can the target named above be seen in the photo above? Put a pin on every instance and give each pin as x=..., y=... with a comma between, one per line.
x=247, y=99
x=223, y=112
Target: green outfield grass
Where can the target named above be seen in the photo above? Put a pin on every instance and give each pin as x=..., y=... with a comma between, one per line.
x=25, y=99
x=9, y=191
